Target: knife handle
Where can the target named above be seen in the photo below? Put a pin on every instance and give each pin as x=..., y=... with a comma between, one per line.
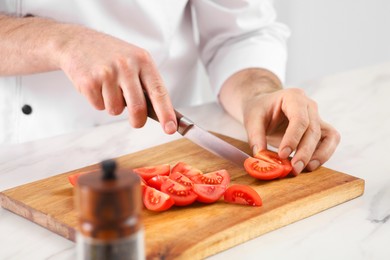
x=183, y=123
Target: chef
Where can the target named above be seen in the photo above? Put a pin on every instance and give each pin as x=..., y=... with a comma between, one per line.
x=68, y=65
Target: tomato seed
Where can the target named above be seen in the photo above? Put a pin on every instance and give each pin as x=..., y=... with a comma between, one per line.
x=153, y=199
x=217, y=180
x=243, y=196
x=263, y=169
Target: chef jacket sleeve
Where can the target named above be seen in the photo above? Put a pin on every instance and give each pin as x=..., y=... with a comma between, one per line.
x=239, y=34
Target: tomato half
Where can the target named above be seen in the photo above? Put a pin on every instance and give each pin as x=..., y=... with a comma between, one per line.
x=242, y=194
x=263, y=170
x=156, y=200
x=270, y=156
x=217, y=177
x=182, y=195
x=181, y=178
x=157, y=181
x=208, y=193
x=150, y=171
x=186, y=169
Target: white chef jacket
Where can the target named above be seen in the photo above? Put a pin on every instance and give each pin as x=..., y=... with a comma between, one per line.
x=225, y=35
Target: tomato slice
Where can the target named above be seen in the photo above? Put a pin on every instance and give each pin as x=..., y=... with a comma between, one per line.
x=143, y=186
x=156, y=200
x=209, y=193
x=150, y=171
x=270, y=156
x=73, y=178
x=157, y=181
x=182, y=195
x=217, y=177
x=242, y=194
x=182, y=179
x=186, y=169
x=263, y=170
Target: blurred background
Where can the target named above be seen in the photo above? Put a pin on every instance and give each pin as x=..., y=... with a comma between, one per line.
x=329, y=37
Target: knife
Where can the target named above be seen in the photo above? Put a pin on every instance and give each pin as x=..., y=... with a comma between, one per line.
x=203, y=138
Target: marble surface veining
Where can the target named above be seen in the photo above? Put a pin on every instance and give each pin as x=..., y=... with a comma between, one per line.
x=357, y=103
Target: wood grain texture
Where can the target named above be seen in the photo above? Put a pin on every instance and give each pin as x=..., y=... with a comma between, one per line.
x=199, y=230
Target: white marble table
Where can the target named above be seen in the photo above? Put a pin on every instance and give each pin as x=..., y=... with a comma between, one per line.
x=357, y=103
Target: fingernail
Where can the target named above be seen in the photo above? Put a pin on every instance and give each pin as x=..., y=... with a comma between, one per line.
x=285, y=152
x=298, y=167
x=312, y=165
x=170, y=127
x=254, y=149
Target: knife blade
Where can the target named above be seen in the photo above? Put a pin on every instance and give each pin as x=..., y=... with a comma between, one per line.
x=203, y=138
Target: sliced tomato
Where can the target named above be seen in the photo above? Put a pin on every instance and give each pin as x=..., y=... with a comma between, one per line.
x=217, y=177
x=157, y=181
x=186, y=169
x=270, y=156
x=263, y=170
x=73, y=178
x=182, y=179
x=143, y=185
x=209, y=193
x=150, y=171
x=182, y=195
x=242, y=194
x=156, y=200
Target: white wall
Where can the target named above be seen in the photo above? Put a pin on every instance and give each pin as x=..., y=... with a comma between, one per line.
x=330, y=36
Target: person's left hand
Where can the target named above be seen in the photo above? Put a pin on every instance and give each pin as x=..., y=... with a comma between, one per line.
x=289, y=120
x=284, y=118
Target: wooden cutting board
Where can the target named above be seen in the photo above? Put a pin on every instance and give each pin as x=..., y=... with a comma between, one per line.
x=199, y=230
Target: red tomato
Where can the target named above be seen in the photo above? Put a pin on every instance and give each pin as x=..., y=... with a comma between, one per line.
x=73, y=178
x=208, y=193
x=143, y=185
x=270, y=156
x=186, y=169
x=156, y=200
x=217, y=177
x=157, y=181
x=181, y=178
x=150, y=171
x=263, y=170
x=182, y=195
x=242, y=194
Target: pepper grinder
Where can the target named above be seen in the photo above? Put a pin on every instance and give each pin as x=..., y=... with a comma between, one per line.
x=108, y=202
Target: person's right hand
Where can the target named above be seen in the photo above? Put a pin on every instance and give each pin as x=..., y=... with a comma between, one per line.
x=113, y=74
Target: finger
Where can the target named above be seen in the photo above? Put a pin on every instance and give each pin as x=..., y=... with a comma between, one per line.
x=158, y=94
x=111, y=92
x=326, y=147
x=92, y=90
x=309, y=141
x=129, y=81
x=255, y=126
x=113, y=98
x=135, y=101
x=298, y=123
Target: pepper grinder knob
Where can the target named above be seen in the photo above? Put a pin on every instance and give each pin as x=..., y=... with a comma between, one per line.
x=108, y=169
